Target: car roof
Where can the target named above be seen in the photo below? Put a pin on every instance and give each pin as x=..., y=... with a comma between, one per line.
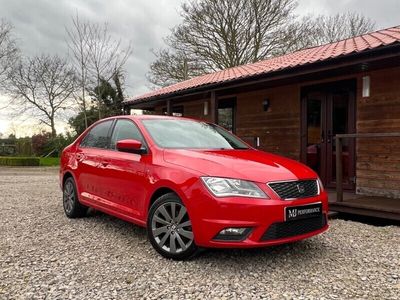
x=150, y=117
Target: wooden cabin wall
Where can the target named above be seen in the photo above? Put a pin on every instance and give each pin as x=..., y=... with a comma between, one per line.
x=278, y=128
x=378, y=160
x=191, y=109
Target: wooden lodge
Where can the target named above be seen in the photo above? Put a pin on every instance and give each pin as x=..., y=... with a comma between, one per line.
x=335, y=107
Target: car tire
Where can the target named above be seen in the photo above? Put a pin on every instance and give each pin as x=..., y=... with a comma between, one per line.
x=169, y=228
x=72, y=207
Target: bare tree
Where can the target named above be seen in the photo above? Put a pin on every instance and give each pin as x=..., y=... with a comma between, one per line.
x=298, y=34
x=227, y=33
x=311, y=31
x=219, y=34
x=42, y=86
x=106, y=57
x=98, y=57
x=170, y=67
x=78, y=44
x=8, y=50
x=329, y=29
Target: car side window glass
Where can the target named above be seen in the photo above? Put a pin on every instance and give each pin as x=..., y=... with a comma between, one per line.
x=98, y=136
x=125, y=130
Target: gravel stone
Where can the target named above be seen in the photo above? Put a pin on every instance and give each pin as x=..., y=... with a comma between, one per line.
x=45, y=255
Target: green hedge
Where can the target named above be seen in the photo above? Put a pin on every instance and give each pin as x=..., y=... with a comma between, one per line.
x=49, y=161
x=19, y=161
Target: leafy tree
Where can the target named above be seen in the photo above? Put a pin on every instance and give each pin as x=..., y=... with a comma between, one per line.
x=39, y=142
x=78, y=123
x=56, y=145
x=111, y=99
x=44, y=143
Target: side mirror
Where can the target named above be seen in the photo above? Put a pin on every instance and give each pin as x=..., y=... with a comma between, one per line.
x=131, y=146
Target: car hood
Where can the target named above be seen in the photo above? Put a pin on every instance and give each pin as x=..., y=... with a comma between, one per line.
x=248, y=164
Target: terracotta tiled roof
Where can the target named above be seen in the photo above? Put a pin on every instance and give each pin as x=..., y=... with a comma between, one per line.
x=299, y=58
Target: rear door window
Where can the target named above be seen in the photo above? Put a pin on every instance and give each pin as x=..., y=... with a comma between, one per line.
x=98, y=136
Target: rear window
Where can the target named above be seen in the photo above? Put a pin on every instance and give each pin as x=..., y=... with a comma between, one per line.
x=98, y=136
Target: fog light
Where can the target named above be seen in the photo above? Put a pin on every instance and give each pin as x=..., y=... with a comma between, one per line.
x=233, y=234
x=232, y=231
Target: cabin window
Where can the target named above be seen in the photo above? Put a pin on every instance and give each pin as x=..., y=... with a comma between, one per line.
x=226, y=114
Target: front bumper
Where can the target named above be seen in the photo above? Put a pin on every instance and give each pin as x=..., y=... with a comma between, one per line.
x=265, y=217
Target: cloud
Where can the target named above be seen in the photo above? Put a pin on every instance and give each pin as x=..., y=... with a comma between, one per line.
x=40, y=27
x=384, y=13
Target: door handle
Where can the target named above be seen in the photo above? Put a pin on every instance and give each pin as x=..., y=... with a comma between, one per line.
x=322, y=136
x=329, y=136
x=104, y=164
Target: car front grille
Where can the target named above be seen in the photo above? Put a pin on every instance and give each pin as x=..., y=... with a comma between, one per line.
x=282, y=230
x=295, y=189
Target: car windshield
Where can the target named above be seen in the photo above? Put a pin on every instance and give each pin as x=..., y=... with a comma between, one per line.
x=174, y=133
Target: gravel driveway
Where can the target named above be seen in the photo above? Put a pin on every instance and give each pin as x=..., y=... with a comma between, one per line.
x=45, y=255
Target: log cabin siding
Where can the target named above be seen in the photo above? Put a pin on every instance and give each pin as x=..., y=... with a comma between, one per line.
x=191, y=109
x=378, y=160
x=278, y=128
x=195, y=109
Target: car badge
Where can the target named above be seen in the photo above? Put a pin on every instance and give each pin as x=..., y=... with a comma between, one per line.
x=300, y=188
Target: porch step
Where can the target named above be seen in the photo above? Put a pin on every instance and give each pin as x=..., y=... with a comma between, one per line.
x=332, y=214
x=385, y=212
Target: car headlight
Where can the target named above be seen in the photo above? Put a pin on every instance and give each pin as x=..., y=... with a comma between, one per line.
x=225, y=187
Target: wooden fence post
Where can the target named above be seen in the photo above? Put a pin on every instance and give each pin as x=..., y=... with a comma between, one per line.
x=339, y=175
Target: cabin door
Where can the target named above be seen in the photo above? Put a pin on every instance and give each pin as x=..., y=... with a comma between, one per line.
x=328, y=110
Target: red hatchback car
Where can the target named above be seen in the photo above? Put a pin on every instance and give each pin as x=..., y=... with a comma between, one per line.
x=192, y=184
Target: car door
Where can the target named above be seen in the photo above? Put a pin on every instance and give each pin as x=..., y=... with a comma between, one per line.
x=126, y=178
x=88, y=163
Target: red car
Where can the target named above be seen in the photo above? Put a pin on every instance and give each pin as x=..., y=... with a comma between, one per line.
x=192, y=184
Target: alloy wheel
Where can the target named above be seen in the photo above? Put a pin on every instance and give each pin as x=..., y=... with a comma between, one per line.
x=69, y=197
x=171, y=228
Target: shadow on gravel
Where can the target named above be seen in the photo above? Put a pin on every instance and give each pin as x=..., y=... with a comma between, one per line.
x=115, y=225
x=301, y=251
x=367, y=220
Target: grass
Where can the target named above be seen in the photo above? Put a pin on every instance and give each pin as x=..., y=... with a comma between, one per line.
x=49, y=161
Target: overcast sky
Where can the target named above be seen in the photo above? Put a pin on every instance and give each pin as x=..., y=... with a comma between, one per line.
x=39, y=26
